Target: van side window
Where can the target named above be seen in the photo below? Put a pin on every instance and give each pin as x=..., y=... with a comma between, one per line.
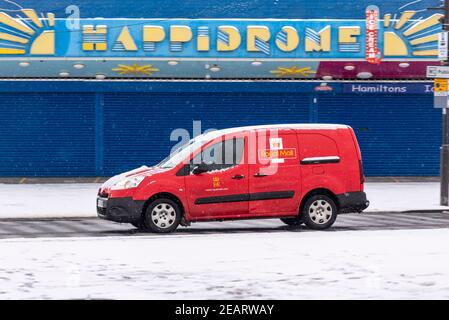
x=222, y=155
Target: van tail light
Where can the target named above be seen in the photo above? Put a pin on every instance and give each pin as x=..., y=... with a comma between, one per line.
x=362, y=174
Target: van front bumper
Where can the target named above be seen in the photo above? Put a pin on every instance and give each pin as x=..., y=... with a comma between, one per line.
x=352, y=202
x=124, y=210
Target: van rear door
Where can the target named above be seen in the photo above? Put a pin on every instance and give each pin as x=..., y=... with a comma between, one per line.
x=359, y=158
x=322, y=164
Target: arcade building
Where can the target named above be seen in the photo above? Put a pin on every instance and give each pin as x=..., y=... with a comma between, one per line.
x=95, y=89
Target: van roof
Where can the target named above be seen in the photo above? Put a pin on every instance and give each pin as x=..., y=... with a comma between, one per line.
x=295, y=126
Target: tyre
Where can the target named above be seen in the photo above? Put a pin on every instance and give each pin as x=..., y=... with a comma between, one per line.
x=319, y=212
x=297, y=221
x=162, y=216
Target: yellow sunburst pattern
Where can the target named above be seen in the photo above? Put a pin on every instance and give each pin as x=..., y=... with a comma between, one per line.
x=135, y=69
x=27, y=33
x=293, y=72
x=420, y=34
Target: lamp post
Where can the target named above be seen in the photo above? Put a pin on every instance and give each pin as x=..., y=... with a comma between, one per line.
x=444, y=157
x=444, y=151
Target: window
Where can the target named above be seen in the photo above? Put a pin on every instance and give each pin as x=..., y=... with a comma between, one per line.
x=180, y=154
x=222, y=155
x=316, y=145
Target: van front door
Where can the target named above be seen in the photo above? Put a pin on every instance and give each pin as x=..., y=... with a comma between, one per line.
x=222, y=190
x=275, y=178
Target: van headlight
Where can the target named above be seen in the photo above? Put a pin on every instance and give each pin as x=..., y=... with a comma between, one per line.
x=128, y=183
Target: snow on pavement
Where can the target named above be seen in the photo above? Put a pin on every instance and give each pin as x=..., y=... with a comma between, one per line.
x=403, y=196
x=78, y=200
x=48, y=200
x=282, y=265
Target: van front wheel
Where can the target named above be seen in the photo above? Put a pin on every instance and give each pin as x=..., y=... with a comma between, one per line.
x=319, y=212
x=162, y=216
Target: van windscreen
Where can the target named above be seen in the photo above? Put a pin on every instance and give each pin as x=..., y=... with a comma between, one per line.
x=182, y=153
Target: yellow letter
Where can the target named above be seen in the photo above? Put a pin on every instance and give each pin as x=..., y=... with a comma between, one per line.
x=348, y=34
x=287, y=40
x=151, y=35
x=203, y=39
x=257, y=39
x=318, y=41
x=125, y=41
x=347, y=39
x=95, y=38
x=178, y=36
x=229, y=38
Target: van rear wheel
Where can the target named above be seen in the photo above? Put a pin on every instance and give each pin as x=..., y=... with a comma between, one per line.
x=163, y=215
x=297, y=221
x=319, y=212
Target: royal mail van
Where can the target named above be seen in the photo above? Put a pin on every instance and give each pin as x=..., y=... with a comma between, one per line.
x=300, y=173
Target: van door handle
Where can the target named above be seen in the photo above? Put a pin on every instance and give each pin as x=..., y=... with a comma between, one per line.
x=238, y=177
x=260, y=175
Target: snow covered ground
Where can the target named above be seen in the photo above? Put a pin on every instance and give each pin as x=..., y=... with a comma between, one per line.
x=78, y=200
x=412, y=264
x=48, y=200
x=403, y=196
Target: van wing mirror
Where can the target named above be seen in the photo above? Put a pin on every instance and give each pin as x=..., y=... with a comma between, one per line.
x=200, y=168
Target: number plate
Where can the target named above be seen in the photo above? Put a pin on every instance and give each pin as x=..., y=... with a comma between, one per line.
x=101, y=203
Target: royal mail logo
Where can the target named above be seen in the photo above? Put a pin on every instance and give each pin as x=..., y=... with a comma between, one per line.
x=289, y=153
x=216, y=182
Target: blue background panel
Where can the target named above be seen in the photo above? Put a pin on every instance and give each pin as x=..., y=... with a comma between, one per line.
x=103, y=128
x=47, y=134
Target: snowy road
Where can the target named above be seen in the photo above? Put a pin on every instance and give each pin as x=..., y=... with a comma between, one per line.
x=368, y=257
x=93, y=227
x=387, y=264
x=78, y=200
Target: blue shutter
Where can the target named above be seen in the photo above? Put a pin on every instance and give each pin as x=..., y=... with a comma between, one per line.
x=47, y=134
x=138, y=126
x=53, y=134
x=398, y=135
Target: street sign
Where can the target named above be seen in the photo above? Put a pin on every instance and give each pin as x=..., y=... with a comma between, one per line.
x=440, y=87
x=443, y=46
x=440, y=102
x=438, y=72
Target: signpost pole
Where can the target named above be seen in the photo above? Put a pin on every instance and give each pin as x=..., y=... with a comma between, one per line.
x=441, y=76
x=444, y=168
x=444, y=161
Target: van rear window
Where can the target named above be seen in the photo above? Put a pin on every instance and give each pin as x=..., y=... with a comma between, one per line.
x=313, y=145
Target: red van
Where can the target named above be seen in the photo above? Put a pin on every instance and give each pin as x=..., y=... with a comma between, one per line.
x=300, y=173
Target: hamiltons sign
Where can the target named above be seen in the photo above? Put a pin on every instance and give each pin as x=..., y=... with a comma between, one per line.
x=373, y=38
x=388, y=88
